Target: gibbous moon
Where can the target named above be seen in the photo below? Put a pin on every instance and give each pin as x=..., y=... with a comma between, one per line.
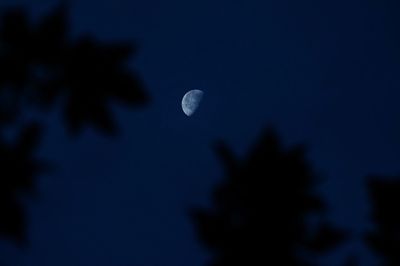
x=191, y=101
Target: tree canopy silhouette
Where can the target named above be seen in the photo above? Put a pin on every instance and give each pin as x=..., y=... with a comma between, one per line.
x=42, y=66
x=384, y=240
x=39, y=63
x=259, y=213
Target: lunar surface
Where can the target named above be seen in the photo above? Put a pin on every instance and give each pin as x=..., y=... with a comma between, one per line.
x=191, y=101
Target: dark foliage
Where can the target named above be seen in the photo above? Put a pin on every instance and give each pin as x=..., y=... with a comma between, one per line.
x=385, y=239
x=40, y=67
x=39, y=63
x=18, y=173
x=259, y=212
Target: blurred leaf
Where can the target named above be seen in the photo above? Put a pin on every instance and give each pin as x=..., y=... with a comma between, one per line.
x=258, y=212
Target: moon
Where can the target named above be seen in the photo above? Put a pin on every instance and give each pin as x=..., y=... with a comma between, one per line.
x=191, y=101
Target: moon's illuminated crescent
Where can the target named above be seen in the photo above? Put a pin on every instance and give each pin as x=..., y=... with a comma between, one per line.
x=191, y=101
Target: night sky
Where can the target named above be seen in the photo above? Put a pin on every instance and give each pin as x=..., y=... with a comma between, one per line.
x=322, y=73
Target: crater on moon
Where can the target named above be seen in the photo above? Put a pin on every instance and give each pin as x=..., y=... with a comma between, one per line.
x=191, y=101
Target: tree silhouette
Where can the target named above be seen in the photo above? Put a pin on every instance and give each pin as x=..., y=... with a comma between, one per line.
x=19, y=169
x=384, y=240
x=259, y=213
x=40, y=67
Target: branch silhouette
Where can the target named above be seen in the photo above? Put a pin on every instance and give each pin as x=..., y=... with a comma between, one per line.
x=18, y=175
x=385, y=239
x=41, y=67
x=259, y=212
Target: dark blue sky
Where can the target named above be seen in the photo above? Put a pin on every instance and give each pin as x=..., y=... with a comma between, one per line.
x=322, y=73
